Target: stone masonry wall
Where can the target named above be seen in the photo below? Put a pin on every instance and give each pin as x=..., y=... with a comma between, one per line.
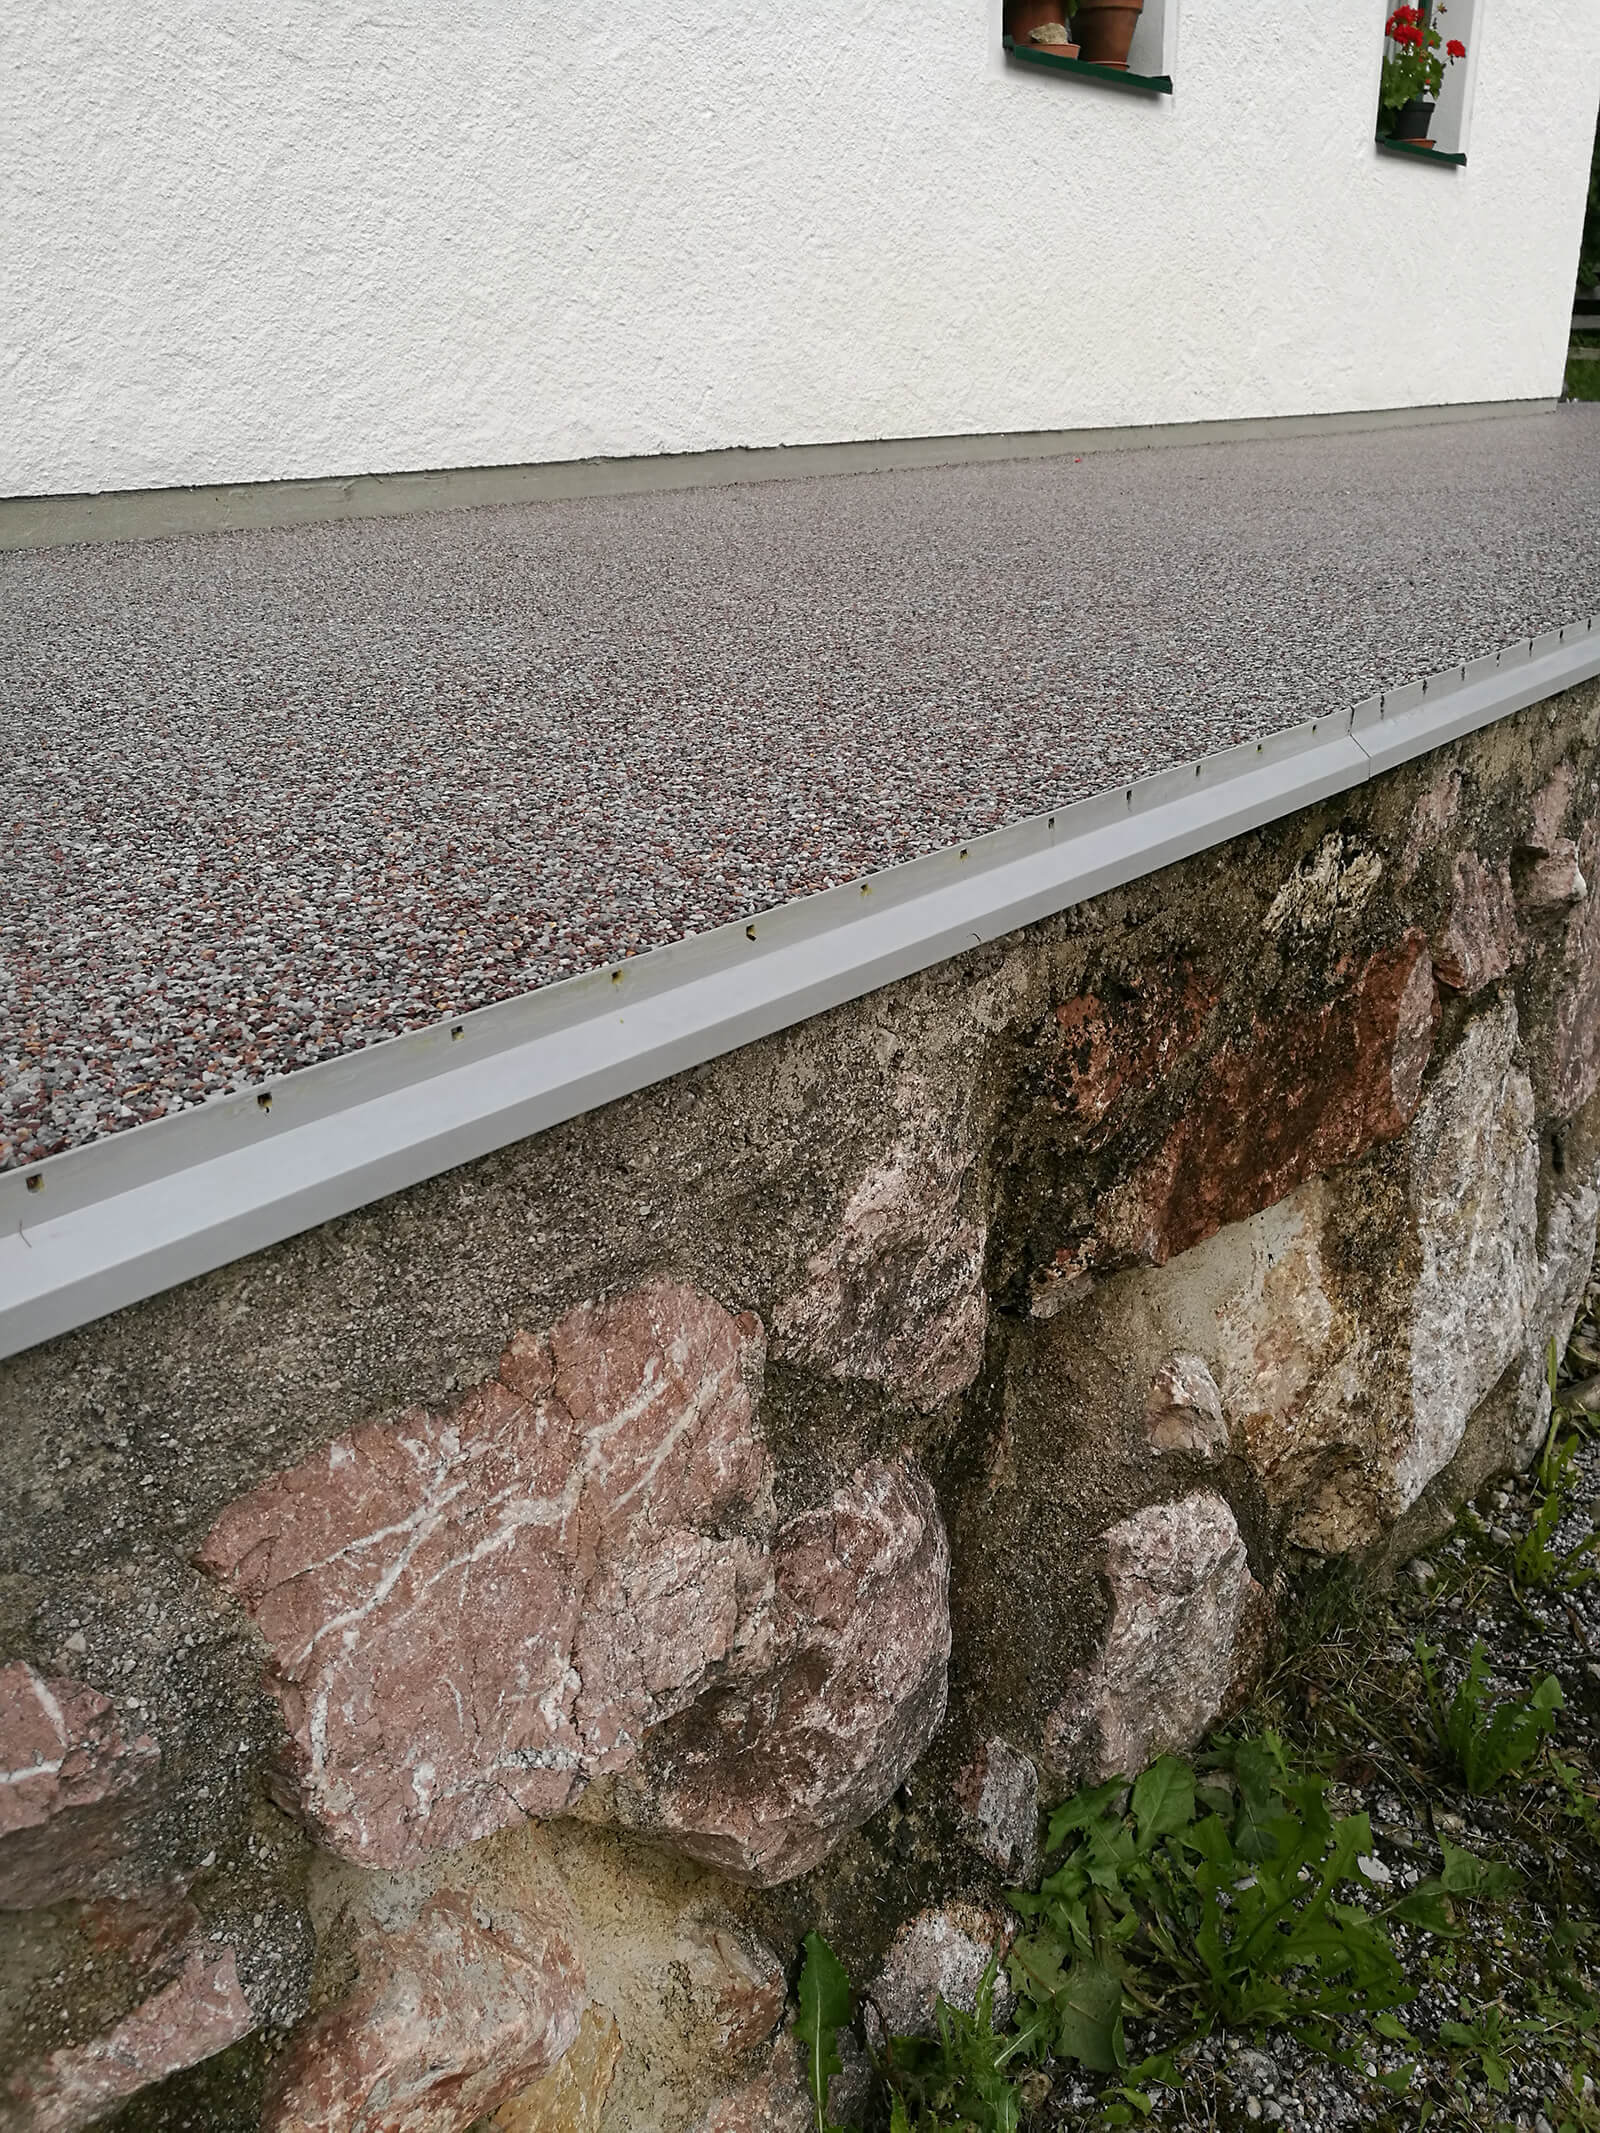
x=448, y=1660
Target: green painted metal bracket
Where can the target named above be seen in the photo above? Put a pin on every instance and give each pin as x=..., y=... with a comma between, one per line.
x=1116, y=77
x=1417, y=153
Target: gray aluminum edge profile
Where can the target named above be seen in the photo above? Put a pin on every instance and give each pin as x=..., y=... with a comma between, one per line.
x=97, y=1228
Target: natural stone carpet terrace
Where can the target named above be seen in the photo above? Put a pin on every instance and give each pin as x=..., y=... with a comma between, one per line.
x=270, y=797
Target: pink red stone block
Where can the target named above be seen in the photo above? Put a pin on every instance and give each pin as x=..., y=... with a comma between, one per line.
x=199, y=2013
x=472, y=1616
x=68, y=1775
x=451, y=2017
x=1303, y=1092
x=764, y=1777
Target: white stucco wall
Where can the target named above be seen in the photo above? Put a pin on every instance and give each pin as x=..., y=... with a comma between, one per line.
x=245, y=242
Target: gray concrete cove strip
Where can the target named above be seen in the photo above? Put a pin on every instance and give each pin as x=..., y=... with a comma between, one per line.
x=153, y=514
x=103, y=1226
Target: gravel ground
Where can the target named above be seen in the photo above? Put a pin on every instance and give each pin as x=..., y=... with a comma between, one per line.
x=272, y=797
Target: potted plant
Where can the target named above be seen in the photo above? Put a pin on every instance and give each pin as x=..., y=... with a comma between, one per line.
x=1040, y=24
x=1104, y=30
x=1413, y=71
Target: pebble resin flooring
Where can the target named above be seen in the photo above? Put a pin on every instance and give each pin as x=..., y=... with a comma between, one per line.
x=270, y=797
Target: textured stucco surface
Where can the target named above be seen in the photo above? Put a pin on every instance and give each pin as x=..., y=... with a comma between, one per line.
x=273, y=796
x=323, y=238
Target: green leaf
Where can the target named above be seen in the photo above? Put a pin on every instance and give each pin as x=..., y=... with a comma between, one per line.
x=1258, y=1773
x=826, y=2005
x=1035, y=1966
x=1133, y=2100
x=1089, y=2018
x=1209, y=1837
x=1425, y=1906
x=1465, y=1874
x=1082, y=1809
x=1107, y=1852
x=1163, y=1800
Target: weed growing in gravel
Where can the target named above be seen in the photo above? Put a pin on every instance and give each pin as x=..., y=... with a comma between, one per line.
x=1487, y=1739
x=962, y=2077
x=1228, y=1897
x=1537, y=1564
x=1217, y=1901
x=827, y=2003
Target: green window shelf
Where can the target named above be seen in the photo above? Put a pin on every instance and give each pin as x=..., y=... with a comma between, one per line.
x=1053, y=63
x=1418, y=155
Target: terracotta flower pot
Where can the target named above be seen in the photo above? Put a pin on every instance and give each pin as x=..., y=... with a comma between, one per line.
x=1104, y=29
x=1023, y=17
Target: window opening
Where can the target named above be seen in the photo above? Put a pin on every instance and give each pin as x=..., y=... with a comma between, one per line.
x=1430, y=51
x=1127, y=42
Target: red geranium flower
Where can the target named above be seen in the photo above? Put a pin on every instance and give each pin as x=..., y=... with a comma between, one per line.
x=1417, y=56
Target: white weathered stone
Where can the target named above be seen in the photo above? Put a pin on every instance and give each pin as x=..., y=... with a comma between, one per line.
x=1295, y=1371
x=1345, y=1393
x=1184, y=1410
x=941, y=1954
x=1474, y=1178
x=998, y=1794
x=1520, y=1412
x=1334, y=882
x=1187, y=1620
x=896, y=1297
